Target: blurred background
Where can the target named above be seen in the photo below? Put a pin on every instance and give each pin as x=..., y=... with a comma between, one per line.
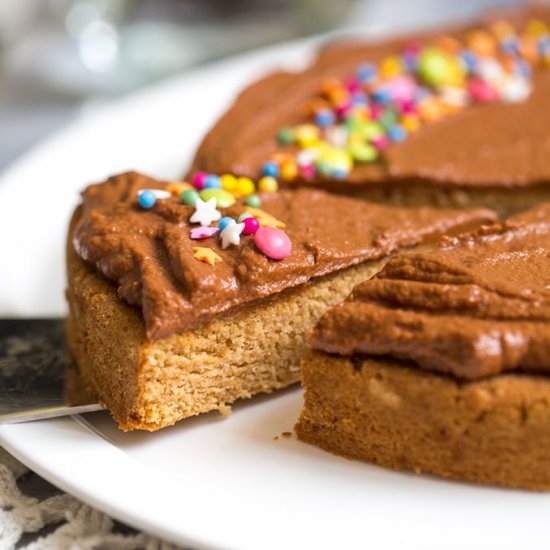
x=60, y=59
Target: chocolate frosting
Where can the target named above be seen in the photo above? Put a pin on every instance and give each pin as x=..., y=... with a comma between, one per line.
x=476, y=306
x=148, y=253
x=483, y=146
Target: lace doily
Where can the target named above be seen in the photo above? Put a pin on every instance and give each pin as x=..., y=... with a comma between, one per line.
x=60, y=521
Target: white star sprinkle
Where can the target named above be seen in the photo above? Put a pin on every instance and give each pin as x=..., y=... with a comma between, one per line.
x=231, y=234
x=205, y=212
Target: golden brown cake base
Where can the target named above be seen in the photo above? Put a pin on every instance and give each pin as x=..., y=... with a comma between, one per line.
x=150, y=384
x=494, y=431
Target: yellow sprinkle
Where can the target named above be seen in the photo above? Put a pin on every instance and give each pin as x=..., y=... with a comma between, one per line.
x=289, y=170
x=268, y=184
x=229, y=182
x=306, y=135
x=264, y=219
x=176, y=187
x=391, y=66
x=537, y=28
x=206, y=255
x=410, y=122
x=244, y=186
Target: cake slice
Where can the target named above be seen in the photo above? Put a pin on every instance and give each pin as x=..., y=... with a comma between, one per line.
x=453, y=117
x=441, y=363
x=170, y=318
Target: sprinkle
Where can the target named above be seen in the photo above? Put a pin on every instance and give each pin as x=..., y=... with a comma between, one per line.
x=176, y=188
x=253, y=200
x=224, y=222
x=224, y=199
x=199, y=179
x=206, y=255
x=325, y=118
x=367, y=72
x=273, y=242
x=212, y=182
x=285, y=136
x=159, y=193
x=268, y=184
x=243, y=216
x=270, y=169
x=189, y=197
x=231, y=234
x=514, y=89
x=203, y=232
x=245, y=186
x=397, y=133
x=229, y=182
x=251, y=225
x=265, y=219
x=147, y=199
x=205, y=212
x=289, y=170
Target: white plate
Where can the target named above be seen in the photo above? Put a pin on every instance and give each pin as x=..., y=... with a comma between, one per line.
x=210, y=481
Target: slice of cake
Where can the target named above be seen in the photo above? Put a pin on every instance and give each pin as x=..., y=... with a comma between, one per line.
x=441, y=363
x=182, y=301
x=447, y=118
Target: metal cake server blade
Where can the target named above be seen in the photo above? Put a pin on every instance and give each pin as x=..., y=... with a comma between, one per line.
x=37, y=380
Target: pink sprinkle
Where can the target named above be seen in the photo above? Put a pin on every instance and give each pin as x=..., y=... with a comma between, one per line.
x=381, y=142
x=308, y=171
x=199, y=179
x=375, y=111
x=401, y=88
x=482, y=91
x=273, y=242
x=353, y=86
x=343, y=109
x=251, y=225
x=408, y=107
x=203, y=232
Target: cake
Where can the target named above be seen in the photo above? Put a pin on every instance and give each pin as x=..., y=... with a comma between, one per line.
x=441, y=362
x=183, y=301
x=458, y=117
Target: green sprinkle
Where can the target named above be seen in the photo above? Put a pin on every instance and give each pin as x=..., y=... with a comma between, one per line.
x=253, y=200
x=243, y=217
x=285, y=136
x=189, y=196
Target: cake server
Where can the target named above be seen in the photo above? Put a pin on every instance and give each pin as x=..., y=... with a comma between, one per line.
x=35, y=372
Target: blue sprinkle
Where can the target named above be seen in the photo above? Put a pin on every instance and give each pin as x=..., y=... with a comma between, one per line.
x=367, y=72
x=510, y=45
x=147, y=199
x=212, y=182
x=339, y=173
x=522, y=68
x=410, y=62
x=469, y=59
x=397, y=133
x=359, y=98
x=544, y=46
x=224, y=222
x=270, y=169
x=325, y=118
x=382, y=95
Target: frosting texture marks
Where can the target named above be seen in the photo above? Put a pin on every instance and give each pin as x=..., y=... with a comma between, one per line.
x=152, y=260
x=477, y=306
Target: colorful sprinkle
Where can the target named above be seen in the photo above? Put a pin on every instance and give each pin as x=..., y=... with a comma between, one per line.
x=224, y=222
x=206, y=255
x=270, y=169
x=224, y=199
x=212, y=182
x=268, y=184
x=205, y=212
x=243, y=216
x=251, y=225
x=189, y=197
x=199, y=180
x=203, y=232
x=273, y=242
x=231, y=234
x=254, y=201
x=245, y=186
x=147, y=199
